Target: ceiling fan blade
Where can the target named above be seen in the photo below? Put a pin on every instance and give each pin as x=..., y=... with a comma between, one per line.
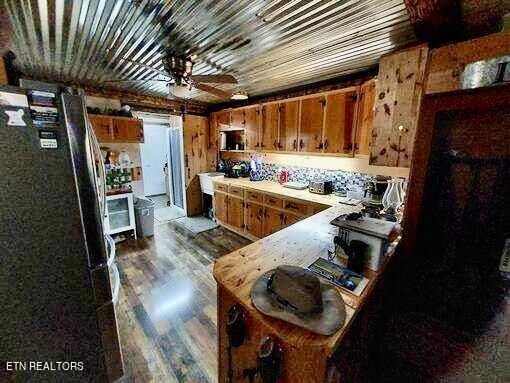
x=131, y=81
x=214, y=78
x=209, y=89
x=146, y=67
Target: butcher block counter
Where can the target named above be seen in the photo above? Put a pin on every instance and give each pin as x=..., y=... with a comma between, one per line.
x=307, y=357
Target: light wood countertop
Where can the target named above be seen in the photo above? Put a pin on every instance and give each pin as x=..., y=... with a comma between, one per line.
x=275, y=188
x=300, y=244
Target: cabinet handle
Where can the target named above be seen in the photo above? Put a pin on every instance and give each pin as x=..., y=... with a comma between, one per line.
x=294, y=144
x=274, y=144
x=319, y=147
x=326, y=144
x=280, y=146
x=284, y=219
x=301, y=144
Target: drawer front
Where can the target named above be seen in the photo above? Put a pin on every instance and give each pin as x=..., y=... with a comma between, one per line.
x=221, y=187
x=254, y=196
x=299, y=208
x=273, y=201
x=236, y=190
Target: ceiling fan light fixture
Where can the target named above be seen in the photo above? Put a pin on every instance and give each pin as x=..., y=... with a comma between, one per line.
x=181, y=91
x=239, y=96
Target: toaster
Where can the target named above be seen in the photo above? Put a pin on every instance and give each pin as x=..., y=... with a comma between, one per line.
x=320, y=187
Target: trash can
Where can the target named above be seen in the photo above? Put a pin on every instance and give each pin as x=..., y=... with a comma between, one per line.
x=144, y=217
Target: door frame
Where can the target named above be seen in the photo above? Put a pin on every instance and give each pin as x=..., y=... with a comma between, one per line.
x=183, y=210
x=496, y=96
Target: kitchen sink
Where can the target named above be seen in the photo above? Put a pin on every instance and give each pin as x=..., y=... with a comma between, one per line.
x=206, y=181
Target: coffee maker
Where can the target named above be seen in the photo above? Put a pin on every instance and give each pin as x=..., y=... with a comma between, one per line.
x=372, y=200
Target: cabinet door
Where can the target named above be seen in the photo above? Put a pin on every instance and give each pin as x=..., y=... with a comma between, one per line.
x=254, y=218
x=127, y=130
x=365, y=118
x=397, y=103
x=290, y=219
x=235, y=212
x=289, y=125
x=103, y=127
x=339, y=122
x=237, y=118
x=223, y=119
x=220, y=206
x=251, y=128
x=310, y=131
x=269, y=127
x=272, y=221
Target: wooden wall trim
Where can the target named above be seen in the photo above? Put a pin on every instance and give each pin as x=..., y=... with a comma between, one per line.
x=472, y=99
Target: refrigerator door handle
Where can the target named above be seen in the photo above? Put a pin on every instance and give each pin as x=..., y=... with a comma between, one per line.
x=111, y=250
x=116, y=288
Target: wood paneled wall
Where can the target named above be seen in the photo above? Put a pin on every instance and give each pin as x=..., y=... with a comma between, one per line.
x=447, y=63
x=199, y=157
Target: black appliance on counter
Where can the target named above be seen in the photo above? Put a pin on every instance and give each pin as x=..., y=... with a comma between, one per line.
x=320, y=187
x=234, y=169
x=56, y=300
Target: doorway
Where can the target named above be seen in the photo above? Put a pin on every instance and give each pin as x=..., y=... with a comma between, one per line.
x=162, y=165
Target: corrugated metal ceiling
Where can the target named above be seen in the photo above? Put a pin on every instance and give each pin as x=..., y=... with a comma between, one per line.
x=268, y=45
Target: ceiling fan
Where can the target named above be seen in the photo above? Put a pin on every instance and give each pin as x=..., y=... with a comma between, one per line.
x=178, y=69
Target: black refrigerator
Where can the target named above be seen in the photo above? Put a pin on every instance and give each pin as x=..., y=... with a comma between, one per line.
x=57, y=320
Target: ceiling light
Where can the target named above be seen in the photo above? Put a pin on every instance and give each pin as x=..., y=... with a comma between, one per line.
x=181, y=91
x=239, y=96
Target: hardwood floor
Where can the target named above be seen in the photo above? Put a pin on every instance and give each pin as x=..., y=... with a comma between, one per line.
x=167, y=307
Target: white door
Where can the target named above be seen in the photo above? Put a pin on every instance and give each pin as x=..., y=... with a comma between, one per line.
x=153, y=155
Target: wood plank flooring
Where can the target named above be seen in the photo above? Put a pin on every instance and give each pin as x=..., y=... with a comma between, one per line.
x=167, y=307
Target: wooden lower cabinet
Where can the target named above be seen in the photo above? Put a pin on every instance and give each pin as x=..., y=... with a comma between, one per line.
x=272, y=221
x=221, y=206
x=258, y=214
x=254, y=219
x=235, y=212
x=290, y=219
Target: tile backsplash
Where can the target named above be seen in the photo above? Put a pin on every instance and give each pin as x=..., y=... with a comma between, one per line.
x=340, y=178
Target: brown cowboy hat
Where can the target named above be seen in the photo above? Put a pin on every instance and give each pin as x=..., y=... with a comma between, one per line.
x=297, y=296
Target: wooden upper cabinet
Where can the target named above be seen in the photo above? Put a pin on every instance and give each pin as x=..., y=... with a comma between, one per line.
x=269, y=127
x=117, y=129
x=236, y=212
x=223, y=119
x=251, y=128
x=103, y=127
x=365, y=118
x=237, y=118
x=128, y=130
x=289, y=126
x=398, y=94
x=310, y=131
x=339, y=122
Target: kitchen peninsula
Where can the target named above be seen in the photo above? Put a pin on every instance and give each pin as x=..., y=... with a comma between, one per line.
x=307, y=357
